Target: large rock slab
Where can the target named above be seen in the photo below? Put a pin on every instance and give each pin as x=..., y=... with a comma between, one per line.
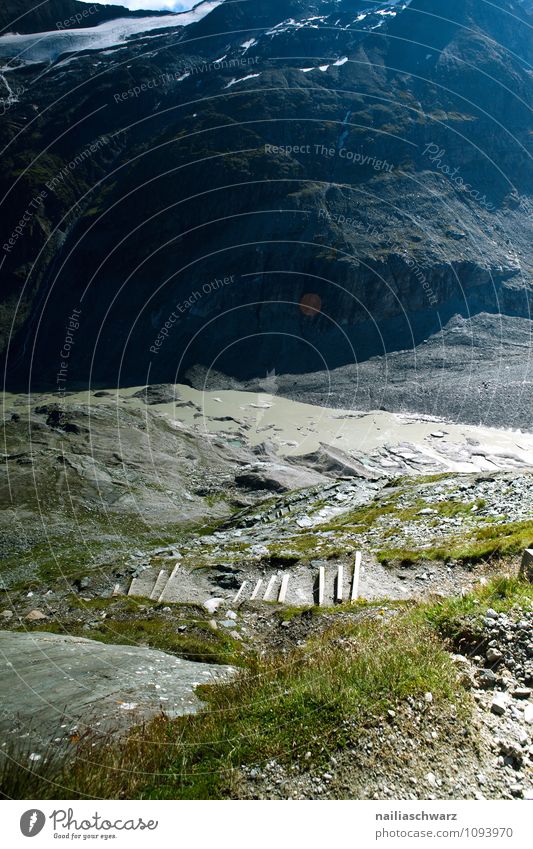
x=334, y=462
x=55, y=687
x=275, y=477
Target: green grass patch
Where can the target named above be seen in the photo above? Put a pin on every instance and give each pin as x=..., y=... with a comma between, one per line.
x=318, y=698
x=414, y=480
x=125, y=624
x=457, y=617
x=289, y=613
x=491, y=542
x=364, y=518
x=305, y=546
x=453, y=508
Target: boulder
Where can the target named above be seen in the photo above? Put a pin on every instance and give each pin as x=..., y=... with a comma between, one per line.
x=278, y=477
x=486, y=679
x=35, y=615
x=526, y=567
x=107, y=688
x=158, y=393
x=494, y=655
x=499, y=704
x=212, y=604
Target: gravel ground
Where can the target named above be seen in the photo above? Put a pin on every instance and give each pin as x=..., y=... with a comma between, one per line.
x=421, y=752
x=476, y=371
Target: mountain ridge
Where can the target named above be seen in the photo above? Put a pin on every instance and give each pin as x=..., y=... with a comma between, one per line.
x=425, y=220
x=24, y=16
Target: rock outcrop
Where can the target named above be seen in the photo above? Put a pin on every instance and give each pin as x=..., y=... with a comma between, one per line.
x=222, y=202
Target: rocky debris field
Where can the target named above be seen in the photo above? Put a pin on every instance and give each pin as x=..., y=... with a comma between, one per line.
x=416, y=536
x=213, y=509
x=476, y=370
x=423, y=752
x=503, y=682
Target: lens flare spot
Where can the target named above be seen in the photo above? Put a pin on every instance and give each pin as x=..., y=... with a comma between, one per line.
x=310, y=303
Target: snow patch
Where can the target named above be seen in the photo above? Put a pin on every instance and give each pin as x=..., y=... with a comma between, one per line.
x=241, y=80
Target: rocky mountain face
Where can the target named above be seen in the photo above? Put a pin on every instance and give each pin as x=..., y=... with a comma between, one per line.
x=293, y=186
x=27, y=16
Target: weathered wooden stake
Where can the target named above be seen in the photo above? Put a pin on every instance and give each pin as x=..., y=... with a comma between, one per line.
x=240, y=592
x=356, y=576
x=269, y=587
x=526, y=567
x=283, y=588
x=321, y=584
x=160, y=584
x=340, y=582
x=256, y=589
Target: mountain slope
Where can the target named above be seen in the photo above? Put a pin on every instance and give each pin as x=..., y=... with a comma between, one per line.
x=29, y=16
x=293, y=188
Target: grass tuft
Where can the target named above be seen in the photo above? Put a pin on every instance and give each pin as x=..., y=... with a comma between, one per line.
x=318, y=698
x=493, y=542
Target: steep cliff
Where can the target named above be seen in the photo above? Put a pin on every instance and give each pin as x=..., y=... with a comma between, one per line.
x=293, y=187
x=28, y=16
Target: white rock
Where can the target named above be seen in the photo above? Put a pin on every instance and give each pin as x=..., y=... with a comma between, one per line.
x=212, y=604
x=528, y=714
x=428, y=697
x=499, y=704
x=304, y=522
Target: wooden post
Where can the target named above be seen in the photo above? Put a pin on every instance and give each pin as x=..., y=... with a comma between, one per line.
x=340, y=582
x=160, y=584
x=283, y=588
x=241, y=590
x=321, y=585
x=168, y=586
x=356, y=576
x=256, y=589
x=269, y=587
